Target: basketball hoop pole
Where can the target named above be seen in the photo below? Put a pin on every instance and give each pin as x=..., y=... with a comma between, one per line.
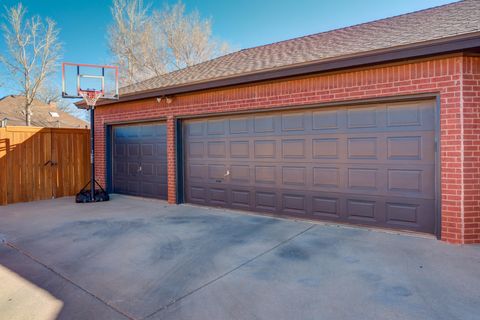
x=91, y=97
x=92, y=152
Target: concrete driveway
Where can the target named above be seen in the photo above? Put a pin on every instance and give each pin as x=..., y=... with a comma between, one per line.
x=142, y=259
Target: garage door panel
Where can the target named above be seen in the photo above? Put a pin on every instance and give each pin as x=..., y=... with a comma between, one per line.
x=132, y=168
x=365, y=179
x=413, y=115
x=326, y=207
x=240, y=149
x=293, y=122
x=266, y=200
x=326, y=148
x=196, y=194
x=294, y=203
x=195, y=129
x=120, y=150
x=216, y=127
x=216, y=172
x=265, y=174
x=362, y=210
x=218, y=195
x=216, y=149
x=362, y=117
x=241, y=198
x=265, y=124
x=197, y=171
x=326, y=177
x=240, y=125
x=148, y=170
x=326, y=120
x=133, y=150
x=147, y=150
x=147, y=131
x=416, y=146
x=195, y=149
x=265, y=149
x=133, y=187
x=149, y=189
x=240, y=173
x=121, y=186
x=371, y=165
x=294, y=176
x=293, y=148
x=363, y=148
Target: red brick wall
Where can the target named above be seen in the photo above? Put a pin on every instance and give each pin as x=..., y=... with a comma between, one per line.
x=471, y=150
x=454, y=78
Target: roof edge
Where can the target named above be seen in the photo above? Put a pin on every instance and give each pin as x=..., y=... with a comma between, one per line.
x=416, y=50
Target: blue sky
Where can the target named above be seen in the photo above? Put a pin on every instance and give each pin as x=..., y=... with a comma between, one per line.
x=243, y=24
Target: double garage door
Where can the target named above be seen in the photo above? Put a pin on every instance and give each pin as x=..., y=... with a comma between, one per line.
x=371, y=165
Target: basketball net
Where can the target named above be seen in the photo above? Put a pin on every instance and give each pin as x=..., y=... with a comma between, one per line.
x=91, y=96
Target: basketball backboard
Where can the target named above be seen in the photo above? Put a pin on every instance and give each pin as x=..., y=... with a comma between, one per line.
x=80, y=78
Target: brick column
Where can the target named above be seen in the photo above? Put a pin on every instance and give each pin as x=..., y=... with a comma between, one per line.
x=471, y=150
x=171, y=160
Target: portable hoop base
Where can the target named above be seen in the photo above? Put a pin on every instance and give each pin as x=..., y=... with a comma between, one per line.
x=85, y=195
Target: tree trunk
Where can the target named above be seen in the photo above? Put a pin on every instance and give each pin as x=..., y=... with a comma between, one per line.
x=27, y=117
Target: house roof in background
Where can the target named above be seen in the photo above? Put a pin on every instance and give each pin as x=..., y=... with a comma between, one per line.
x=43, y=115
x=447, y=22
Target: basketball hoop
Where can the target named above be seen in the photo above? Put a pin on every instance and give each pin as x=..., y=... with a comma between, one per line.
x=90, y=96
x=99, y=81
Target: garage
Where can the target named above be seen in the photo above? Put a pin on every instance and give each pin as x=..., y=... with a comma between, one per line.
x=368, y=164
x=140, y=160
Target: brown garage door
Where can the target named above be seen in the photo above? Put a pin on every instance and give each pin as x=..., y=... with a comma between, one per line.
x=372, y=165
x=140, y=160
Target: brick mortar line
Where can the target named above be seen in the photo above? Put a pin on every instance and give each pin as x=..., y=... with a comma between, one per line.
x=28, y=255
x=171, y=303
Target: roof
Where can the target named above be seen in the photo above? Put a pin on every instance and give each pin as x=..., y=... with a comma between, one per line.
x=447, y=22
x=12, y=109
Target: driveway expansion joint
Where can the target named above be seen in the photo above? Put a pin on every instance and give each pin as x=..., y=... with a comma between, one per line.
x=31, y=257
x=281, y=243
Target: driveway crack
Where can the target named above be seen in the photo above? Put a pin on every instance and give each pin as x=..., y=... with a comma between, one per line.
x=223, y=275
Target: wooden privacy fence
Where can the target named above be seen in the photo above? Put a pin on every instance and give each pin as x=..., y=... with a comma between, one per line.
x=42, y=163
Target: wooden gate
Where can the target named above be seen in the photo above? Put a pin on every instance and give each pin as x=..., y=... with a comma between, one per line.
x=42, y=163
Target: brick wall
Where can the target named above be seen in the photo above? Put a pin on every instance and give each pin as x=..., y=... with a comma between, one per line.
x=454, y=78
x=471, y=150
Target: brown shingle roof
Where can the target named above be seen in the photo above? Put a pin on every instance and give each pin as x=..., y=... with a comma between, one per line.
x=12, y=109
x=443, y=22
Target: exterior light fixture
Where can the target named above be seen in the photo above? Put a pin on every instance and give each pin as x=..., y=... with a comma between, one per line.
x=168, y=99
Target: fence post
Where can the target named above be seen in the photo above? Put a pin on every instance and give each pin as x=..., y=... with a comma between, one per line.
x=4, y=146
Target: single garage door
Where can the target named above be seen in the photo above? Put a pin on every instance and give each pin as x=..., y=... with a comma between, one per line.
x=140, y=160
x=370, y=165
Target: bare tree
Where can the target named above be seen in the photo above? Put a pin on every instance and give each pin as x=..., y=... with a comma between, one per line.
x=188, y=37
x=131, y=40
x=33, y=52
x=50, y=94
x=149, y=43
